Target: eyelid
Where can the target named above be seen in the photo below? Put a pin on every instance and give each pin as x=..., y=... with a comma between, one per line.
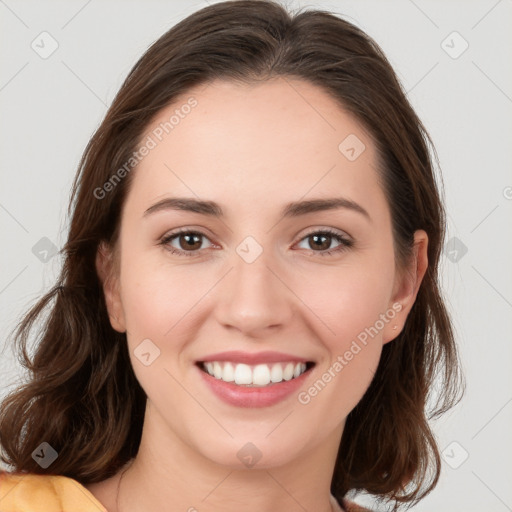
x=330, y=230
x=312, y=230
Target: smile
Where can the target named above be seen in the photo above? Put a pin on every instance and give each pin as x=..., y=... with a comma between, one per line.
x=259, y=375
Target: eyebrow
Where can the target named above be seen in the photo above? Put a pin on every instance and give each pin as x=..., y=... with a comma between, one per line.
x=294, y=209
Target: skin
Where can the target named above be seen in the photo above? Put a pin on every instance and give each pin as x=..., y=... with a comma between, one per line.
x=252, y=149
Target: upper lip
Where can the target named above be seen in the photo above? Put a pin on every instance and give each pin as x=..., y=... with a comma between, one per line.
x=254, y=358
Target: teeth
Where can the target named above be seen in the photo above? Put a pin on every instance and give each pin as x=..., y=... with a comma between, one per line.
x=243, y=374
x=228, y=373
x=276, y=374
x=217, y=370
x=259, y=375
x=288, y=371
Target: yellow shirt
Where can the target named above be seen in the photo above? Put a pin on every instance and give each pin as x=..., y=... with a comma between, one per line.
x=27, y=492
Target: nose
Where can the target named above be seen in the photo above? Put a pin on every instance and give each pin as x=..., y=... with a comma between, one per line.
x=254, y=298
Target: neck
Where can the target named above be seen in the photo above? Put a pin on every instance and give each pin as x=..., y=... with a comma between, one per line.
x=169, y=475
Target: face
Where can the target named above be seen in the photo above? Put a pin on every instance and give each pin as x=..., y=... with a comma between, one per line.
x=255, y=275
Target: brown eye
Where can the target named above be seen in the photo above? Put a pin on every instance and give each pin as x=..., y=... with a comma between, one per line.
x=185, y=243
x=189, y=241
x=319, y=242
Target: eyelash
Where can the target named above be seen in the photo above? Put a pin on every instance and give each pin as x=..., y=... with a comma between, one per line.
x=345, y=243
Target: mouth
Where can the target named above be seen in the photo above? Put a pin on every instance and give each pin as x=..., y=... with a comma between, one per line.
x=258, y=375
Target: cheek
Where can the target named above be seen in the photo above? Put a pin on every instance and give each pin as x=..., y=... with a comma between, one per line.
x=156, y=291
x=351, y=303
x=354, y=351
x=158, y=306
x=349, y=298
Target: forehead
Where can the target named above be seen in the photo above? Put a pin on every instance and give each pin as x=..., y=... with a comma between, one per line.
x=257, y=142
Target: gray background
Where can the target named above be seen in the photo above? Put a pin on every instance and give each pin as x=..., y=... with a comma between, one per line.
x=49, y=108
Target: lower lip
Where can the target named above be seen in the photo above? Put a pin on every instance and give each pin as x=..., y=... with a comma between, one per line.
x=242, y=396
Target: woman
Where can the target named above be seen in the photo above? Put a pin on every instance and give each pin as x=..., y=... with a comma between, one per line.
x=249, y=309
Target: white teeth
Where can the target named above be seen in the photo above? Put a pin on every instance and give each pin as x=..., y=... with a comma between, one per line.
x=288, y=371
x=259, y=375
x=276, y=374
x=243, y=374
x=228, y=373
x=217, y=370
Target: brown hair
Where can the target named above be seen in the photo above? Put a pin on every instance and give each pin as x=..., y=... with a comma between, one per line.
x=83, y=397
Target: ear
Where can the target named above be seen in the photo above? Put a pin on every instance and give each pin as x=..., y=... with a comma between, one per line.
x=110, y=283
x=407, y=284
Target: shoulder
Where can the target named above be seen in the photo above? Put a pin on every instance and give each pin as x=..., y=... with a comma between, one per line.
x=28, y=492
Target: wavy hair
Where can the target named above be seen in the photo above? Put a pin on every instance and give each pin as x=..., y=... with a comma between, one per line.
x=82, y=396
